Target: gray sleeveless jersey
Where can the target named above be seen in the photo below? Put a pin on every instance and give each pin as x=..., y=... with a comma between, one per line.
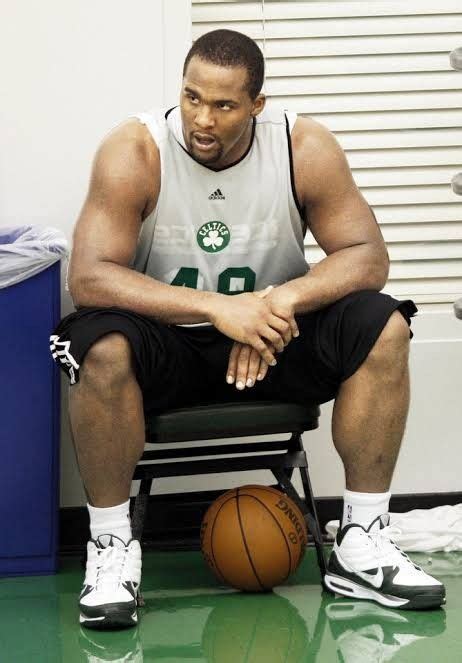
x=234, y=230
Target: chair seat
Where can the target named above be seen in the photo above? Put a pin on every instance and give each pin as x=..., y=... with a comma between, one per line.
x=203, y=422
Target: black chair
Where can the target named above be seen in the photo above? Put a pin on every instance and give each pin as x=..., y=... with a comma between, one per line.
x=230, y=420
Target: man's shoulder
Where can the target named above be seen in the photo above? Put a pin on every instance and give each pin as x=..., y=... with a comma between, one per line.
x=128, y=156
x=133, y=137
x=308, y=135
x=127, y=163
x=316, y=154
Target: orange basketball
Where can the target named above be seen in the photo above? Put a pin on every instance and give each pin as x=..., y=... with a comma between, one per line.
x=253, y=537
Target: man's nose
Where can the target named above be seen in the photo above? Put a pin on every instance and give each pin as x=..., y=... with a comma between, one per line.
x=204, y=117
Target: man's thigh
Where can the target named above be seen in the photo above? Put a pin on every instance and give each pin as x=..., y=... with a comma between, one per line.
x=170, y=362
x=332, y=345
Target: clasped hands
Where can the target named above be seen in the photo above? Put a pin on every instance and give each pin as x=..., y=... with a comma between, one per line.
x=259, y=329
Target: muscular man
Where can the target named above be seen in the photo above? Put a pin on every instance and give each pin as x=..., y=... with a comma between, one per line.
x=191, y=286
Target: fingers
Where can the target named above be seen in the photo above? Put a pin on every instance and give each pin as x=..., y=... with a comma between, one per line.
x=263, y=370
x=283, y=327
x=232, y=362
x=243, y=361
x=257, y=369
x=294, y=327
x=264, y=350
x=253, y=368
x=245, y=366
x=273, y=337
x=287, y=327
x=292, y=322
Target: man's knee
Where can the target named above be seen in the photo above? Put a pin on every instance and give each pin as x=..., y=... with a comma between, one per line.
x=392, y=346
x=108, y=359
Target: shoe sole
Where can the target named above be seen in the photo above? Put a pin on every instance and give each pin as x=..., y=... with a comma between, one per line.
x=114, y=617
x=345, y=587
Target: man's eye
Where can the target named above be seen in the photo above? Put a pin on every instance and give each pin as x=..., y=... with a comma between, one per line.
x=224, y=106
x=192, y=98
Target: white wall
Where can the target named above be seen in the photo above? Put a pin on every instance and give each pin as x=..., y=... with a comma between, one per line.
x=69, y=71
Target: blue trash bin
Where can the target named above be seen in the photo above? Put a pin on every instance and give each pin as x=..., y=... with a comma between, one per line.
x=29, y=410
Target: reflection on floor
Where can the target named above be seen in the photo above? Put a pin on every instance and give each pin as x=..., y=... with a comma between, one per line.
x=190, y=618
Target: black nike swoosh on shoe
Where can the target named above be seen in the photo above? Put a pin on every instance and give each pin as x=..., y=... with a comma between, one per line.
x=86, y=590
x=129, y=586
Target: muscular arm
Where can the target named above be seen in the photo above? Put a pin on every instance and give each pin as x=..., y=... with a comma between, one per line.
x=340, y=219
x=125, y=178
x=344, y=226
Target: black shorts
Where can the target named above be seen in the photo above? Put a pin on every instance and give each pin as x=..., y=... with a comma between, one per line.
x=185, y=366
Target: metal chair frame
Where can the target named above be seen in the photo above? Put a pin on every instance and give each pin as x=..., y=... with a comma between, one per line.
x=282, y=457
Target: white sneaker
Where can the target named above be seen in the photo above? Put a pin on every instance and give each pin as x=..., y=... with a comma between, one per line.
x=367, y=564
x=112, y=579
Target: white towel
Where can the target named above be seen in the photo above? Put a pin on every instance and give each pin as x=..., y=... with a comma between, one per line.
x=424, y=530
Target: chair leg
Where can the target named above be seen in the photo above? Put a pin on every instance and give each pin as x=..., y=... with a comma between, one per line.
x=138, y=518
x=317, y=534
x=308, y=507
x=141, y=505
x=309, y=496
x=309, y=511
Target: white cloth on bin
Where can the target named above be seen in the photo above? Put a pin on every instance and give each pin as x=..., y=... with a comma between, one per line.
x=423, y=530
x=28, y=250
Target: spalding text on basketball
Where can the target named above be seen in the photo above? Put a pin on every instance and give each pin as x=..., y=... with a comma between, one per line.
x=285, y=508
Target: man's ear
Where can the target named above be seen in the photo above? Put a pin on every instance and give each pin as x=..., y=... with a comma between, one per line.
x=258, y=105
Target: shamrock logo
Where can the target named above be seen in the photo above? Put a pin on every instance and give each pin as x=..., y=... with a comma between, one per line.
x=213, y=236
x=213, y=239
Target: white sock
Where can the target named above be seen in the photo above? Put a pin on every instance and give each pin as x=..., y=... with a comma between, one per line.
x=111, y=520
x=363, y=508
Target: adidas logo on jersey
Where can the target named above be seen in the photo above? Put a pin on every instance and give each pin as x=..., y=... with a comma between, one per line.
x=216, y=195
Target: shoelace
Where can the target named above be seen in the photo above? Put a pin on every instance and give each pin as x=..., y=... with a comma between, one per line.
x=388, y=533
x=384, y=544
x=109, y=567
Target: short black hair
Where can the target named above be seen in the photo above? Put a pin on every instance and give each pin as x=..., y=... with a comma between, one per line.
x=229, y=48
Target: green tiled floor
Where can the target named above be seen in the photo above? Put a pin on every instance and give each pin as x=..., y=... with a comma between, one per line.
x=190, y=618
